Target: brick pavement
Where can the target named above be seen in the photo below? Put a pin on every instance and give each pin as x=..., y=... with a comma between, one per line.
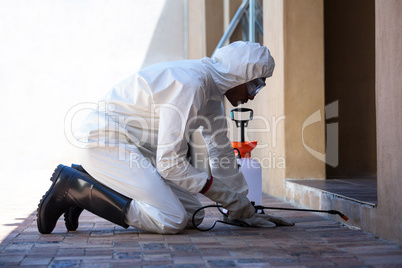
x=314, y=241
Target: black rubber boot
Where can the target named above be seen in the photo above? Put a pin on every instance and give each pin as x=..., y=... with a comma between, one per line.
x=71, y=217
x=71, y=188
x=73, y=213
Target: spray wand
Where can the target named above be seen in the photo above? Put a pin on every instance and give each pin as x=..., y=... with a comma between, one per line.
x=241, y=224
x=334, y=212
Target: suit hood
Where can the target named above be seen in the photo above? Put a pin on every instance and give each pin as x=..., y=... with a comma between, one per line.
x=236, y=64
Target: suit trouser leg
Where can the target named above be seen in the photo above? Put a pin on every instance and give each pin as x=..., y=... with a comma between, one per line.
x=155, y=206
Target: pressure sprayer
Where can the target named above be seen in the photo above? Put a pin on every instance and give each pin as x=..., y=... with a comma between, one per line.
x=251, y=170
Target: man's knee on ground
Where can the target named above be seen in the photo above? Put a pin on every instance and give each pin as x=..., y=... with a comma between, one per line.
x=173, y=224
x=158, y=220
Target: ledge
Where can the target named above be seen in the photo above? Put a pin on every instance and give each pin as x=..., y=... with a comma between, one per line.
x=359, y=190
x=356, y=198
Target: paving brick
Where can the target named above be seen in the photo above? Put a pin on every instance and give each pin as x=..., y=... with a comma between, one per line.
x=346, y=261
x=157, y=257
x=42, y=251
x=373, y=249
x=177, y=239
x=100, y=242
x=74, y=241
x=120, y=243
x=214, y=252
x=65, y=263
x=232, y=242
x=153, y=246
x=95, y=265
x=255, y=263
x=127, y=255
x=151, y=237
x=222, y=263
x=284, y=262
x=8, y=260
x=386, y=261
x=70, y=252
x=186, y=248
x=198, y=260
x=98, y=252
x=244, y=252
x=102, y=233
x=19, y=247
x=32, y=261
x=155, y=264
x=50, y=239
x=26, y=238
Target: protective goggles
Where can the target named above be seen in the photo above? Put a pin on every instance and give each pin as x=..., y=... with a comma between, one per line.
x=254, y=86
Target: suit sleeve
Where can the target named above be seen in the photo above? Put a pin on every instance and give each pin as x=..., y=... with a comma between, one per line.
x=173, y=136
x=222, y=158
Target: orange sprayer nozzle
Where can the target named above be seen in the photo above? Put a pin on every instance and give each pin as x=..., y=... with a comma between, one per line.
x=340, y=214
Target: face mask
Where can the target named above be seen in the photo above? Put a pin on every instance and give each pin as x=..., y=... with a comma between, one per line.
x=254, y=86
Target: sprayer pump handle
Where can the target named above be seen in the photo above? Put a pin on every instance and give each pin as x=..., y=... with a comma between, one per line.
x=241, y=110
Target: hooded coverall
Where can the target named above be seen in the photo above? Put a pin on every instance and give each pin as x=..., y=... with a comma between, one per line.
x=136, y=141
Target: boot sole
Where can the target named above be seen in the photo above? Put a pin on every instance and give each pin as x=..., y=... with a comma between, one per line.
x=43, y=202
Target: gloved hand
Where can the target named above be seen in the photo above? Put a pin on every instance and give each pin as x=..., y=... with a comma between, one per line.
x=238, y=205
x=266, y=220
x=261, y=220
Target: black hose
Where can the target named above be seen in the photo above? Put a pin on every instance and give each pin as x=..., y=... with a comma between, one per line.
x=213, y=225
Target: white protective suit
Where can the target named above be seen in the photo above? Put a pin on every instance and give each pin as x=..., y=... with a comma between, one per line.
x=137, y=140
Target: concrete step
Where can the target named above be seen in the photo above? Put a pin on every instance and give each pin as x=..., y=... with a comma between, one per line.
x=355, y=198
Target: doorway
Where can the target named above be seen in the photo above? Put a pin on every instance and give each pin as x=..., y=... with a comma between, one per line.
x=349, y=28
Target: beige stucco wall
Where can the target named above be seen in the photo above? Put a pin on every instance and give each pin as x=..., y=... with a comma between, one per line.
x=293, y=31
x=196, y=29
x=304, y=87
x=205, y=28
x=270, y=102
x=387, y=221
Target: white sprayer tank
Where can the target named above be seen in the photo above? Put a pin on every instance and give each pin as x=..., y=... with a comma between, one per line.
x=251, y=170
